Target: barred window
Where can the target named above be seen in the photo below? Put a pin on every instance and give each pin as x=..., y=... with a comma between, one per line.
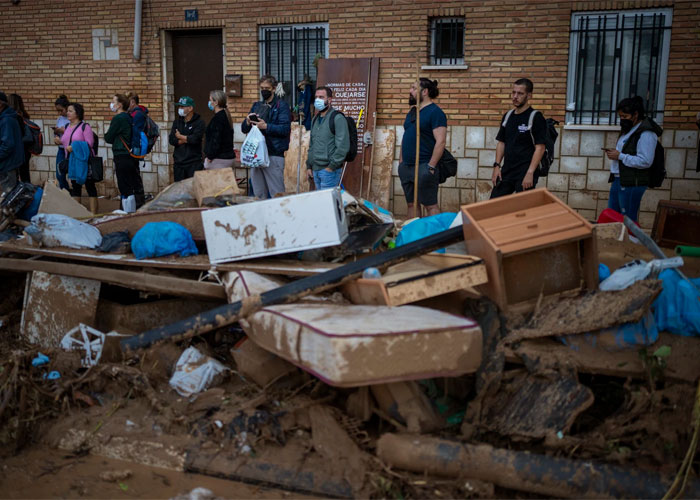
x=446, y=41
x=614, y=55
x=287, y=52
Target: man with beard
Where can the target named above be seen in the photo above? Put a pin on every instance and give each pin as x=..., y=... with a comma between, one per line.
x=519, y=149
x=433, y=134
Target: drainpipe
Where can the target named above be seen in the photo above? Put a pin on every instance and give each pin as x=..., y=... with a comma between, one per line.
x=137, y=29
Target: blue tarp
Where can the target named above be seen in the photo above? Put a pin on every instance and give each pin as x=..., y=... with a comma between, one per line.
x=677, y=308
x=424, y=227
x=156, y=239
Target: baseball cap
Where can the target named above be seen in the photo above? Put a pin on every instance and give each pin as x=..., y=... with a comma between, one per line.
x=185, y=101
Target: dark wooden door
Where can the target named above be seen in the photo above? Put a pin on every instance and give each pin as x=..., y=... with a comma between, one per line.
x=198, y=66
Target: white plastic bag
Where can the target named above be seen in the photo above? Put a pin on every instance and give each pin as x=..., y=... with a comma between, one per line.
x=635, y=271
x=194, y=372
x=55, y=230
x=129, y=204
x=254, y=150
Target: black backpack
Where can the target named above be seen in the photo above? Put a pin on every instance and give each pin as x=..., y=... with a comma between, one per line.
x=550, y=138
x=657, y=171
x=352, y=130
x=33, y=133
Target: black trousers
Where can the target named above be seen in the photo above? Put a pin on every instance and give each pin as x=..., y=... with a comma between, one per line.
x=77, y=189
x=186, y=170
x=510, y=186
x=128, y=175
x=23, y=170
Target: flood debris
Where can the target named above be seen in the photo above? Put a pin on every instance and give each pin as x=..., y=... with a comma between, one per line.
x=354, y=369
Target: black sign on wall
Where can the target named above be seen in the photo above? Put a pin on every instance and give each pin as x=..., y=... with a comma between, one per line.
x=191, y=14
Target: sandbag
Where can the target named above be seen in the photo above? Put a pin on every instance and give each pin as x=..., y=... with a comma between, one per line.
x=55, y=230
x=156, y=239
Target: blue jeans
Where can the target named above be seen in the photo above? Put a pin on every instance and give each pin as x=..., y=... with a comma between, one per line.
x=62, y=181
x=626, y=200
x=325, y=179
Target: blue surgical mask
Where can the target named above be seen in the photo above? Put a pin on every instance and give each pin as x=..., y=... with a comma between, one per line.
x=211, y=106
x=319, y=104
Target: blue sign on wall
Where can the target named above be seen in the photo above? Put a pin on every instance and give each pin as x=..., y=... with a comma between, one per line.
x=191, y=15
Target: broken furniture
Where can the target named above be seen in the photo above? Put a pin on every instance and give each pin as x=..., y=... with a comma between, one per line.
x=259, y=365
x=388, y=344
x=276, y=226
x=676, y=223
x=213, y=183
x=421, y=278
x=533, y=244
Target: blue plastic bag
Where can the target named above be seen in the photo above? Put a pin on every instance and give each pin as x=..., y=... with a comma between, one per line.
x=603, y=272
x=424, y=227
x=156, y=239
x=677, y=308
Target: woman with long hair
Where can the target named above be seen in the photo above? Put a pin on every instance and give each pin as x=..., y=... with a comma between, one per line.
x=15, y=101
x=126, y=167
x=218, y=148
x=79, y=131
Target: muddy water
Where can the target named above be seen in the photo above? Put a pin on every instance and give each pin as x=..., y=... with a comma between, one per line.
x=48, y=473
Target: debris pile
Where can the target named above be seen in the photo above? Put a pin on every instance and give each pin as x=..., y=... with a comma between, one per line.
x=298, y=343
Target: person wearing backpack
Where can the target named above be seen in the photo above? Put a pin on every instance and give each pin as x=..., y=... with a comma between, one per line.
x=520, y=148
x=17, y=103
x=126, y=167
x=273, y=118
x=139, y=119
x=186, y=136
x=433, y=134
x=632, y=158
x=76, y=131
x=11, y=147
x=61, y=105
x=327, y=151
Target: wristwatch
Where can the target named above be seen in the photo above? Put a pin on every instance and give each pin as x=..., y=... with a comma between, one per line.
x=496, y=164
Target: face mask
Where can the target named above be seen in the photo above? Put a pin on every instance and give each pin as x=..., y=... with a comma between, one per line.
x=266, y=94
x=113, y=107
x=626, y=126
x=210, y=105
x=181, y=112
x=320, y=104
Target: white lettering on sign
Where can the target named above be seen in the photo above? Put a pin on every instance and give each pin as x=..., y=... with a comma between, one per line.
x=351, y=98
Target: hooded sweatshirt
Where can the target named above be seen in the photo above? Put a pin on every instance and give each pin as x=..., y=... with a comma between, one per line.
x=11, y=146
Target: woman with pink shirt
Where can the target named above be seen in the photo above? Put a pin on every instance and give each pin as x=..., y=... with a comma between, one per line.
x=79, y=131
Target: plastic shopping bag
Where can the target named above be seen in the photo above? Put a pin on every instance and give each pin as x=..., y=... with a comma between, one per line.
x=56, y=230
x=254, y=150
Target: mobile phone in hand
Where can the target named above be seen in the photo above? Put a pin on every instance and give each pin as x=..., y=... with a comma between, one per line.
x=253, y=118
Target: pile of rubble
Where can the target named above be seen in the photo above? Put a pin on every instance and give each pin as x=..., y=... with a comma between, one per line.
x=314, y=344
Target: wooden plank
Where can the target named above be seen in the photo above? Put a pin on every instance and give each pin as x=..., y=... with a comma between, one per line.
x=138, y=281
x=57, y=201
x=380, y=184
x=194, y=262
x=291, y=160
x=191, y=218
x=681, y=363
x=55, y=304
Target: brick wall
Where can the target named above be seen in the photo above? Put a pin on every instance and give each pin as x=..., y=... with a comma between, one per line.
x=46, y=49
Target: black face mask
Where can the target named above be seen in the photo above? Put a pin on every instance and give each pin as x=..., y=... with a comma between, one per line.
x=626, y=126
x=266, y=94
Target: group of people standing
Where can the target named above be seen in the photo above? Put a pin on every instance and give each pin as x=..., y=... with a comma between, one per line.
x=520, y=144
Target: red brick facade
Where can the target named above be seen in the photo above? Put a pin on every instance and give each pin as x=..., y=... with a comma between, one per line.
x=46, y=49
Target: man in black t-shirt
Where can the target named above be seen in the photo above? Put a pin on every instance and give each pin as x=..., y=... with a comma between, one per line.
x=519, y=148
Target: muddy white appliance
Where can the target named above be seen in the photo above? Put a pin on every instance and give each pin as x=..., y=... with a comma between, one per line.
x=276, y=226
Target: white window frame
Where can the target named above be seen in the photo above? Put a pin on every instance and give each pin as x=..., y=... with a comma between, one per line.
x=572, y=77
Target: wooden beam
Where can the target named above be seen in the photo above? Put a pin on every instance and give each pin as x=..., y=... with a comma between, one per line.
x=130, y=279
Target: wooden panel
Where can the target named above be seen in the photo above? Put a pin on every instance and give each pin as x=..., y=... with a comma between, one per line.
x=55, y=304
x=510, y=203
x=298, y=144
x=191, y=218
x=676, y=223
x=193, y=262
x=381, y=166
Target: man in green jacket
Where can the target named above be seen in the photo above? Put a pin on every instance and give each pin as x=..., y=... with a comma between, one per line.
x=327, y=150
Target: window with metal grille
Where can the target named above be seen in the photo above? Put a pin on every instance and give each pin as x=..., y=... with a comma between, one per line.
x=446, y=41
x=614, y=55
x=287, y=52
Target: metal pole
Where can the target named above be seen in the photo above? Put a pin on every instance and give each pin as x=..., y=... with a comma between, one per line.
x=137, y=29
x=416, y=208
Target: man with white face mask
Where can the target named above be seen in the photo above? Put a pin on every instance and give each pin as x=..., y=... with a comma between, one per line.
x=186, y=135
x=327, y=150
